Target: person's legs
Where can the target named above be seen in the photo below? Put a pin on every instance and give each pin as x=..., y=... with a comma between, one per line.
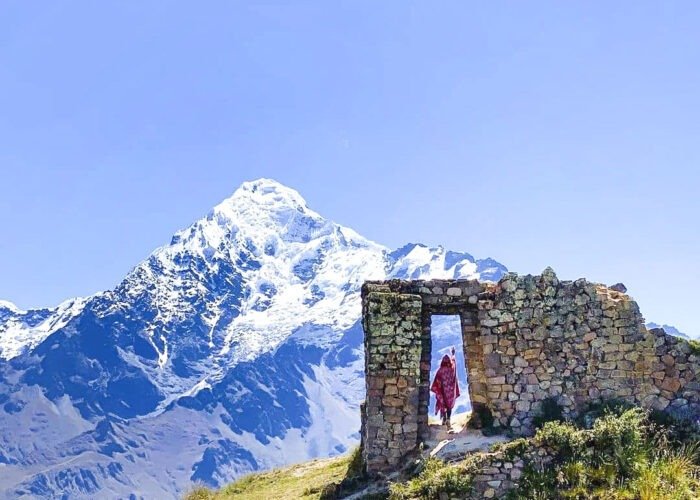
x=448, y=414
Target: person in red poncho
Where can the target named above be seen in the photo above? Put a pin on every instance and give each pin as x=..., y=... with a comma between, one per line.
x=446, y=388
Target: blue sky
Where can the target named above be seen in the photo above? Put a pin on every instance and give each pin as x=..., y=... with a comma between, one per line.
x=538, y=133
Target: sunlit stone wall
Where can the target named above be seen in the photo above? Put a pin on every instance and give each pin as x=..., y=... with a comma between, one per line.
x=525, y=338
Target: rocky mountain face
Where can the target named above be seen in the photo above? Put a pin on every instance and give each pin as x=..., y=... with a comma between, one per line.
x=234, y=348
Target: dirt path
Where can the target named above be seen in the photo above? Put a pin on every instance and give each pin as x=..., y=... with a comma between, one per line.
x=458, y=440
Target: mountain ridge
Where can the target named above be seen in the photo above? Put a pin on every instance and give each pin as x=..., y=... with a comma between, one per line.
x=234, y=348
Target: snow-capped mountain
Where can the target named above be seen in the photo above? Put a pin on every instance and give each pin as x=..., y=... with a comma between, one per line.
x=237, y=347
x=22, y=330
x=670, y=329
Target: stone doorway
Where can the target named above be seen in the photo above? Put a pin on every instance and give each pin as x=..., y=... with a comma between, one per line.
x=397, y=320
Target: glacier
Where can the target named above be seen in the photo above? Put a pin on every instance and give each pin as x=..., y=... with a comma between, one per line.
x=234, y=348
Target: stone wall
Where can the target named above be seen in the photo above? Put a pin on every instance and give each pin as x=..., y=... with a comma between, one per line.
x=390, y=420
x=575, y=341
x=495, y=474
x=674, y=372
x=525, y=338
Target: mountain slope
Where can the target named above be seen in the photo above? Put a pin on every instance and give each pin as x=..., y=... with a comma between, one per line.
x=236, y=347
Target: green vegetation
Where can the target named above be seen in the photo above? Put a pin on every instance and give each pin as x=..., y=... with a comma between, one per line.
x=694, y=346
x=318, y=479
x=512, y=449
x=435, y=478
x=623, y=456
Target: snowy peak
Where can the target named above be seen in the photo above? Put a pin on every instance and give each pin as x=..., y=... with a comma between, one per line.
x=22, y=330
x=417, y=261
x=261, y=266
x=264, y=195
x=259, y=212
x=9, y=307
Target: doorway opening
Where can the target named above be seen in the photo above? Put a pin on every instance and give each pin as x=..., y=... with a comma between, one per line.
x=446, y=340
x=443, y=330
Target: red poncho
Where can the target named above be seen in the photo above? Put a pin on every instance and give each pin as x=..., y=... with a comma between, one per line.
x=445, y=386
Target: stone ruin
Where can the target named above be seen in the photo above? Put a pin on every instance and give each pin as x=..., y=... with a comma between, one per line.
x=525, y=339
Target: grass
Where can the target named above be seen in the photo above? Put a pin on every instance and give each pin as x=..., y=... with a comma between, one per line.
x=311, y=480
x=624, y=455
x=435, y=479
x=694, y=346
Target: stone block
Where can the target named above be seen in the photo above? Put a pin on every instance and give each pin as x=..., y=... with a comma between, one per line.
x=671, y=384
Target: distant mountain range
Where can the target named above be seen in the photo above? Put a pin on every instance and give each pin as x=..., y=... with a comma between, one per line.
x=234, y=348
x=670, y=329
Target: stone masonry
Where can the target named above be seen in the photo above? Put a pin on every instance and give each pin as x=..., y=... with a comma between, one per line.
x=525, y=338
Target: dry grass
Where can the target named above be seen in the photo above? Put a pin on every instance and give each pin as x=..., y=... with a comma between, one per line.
x=306, y=480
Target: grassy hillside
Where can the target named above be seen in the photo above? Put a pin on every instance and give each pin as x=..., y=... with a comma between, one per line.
x=311, y=480
x=612, y=452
